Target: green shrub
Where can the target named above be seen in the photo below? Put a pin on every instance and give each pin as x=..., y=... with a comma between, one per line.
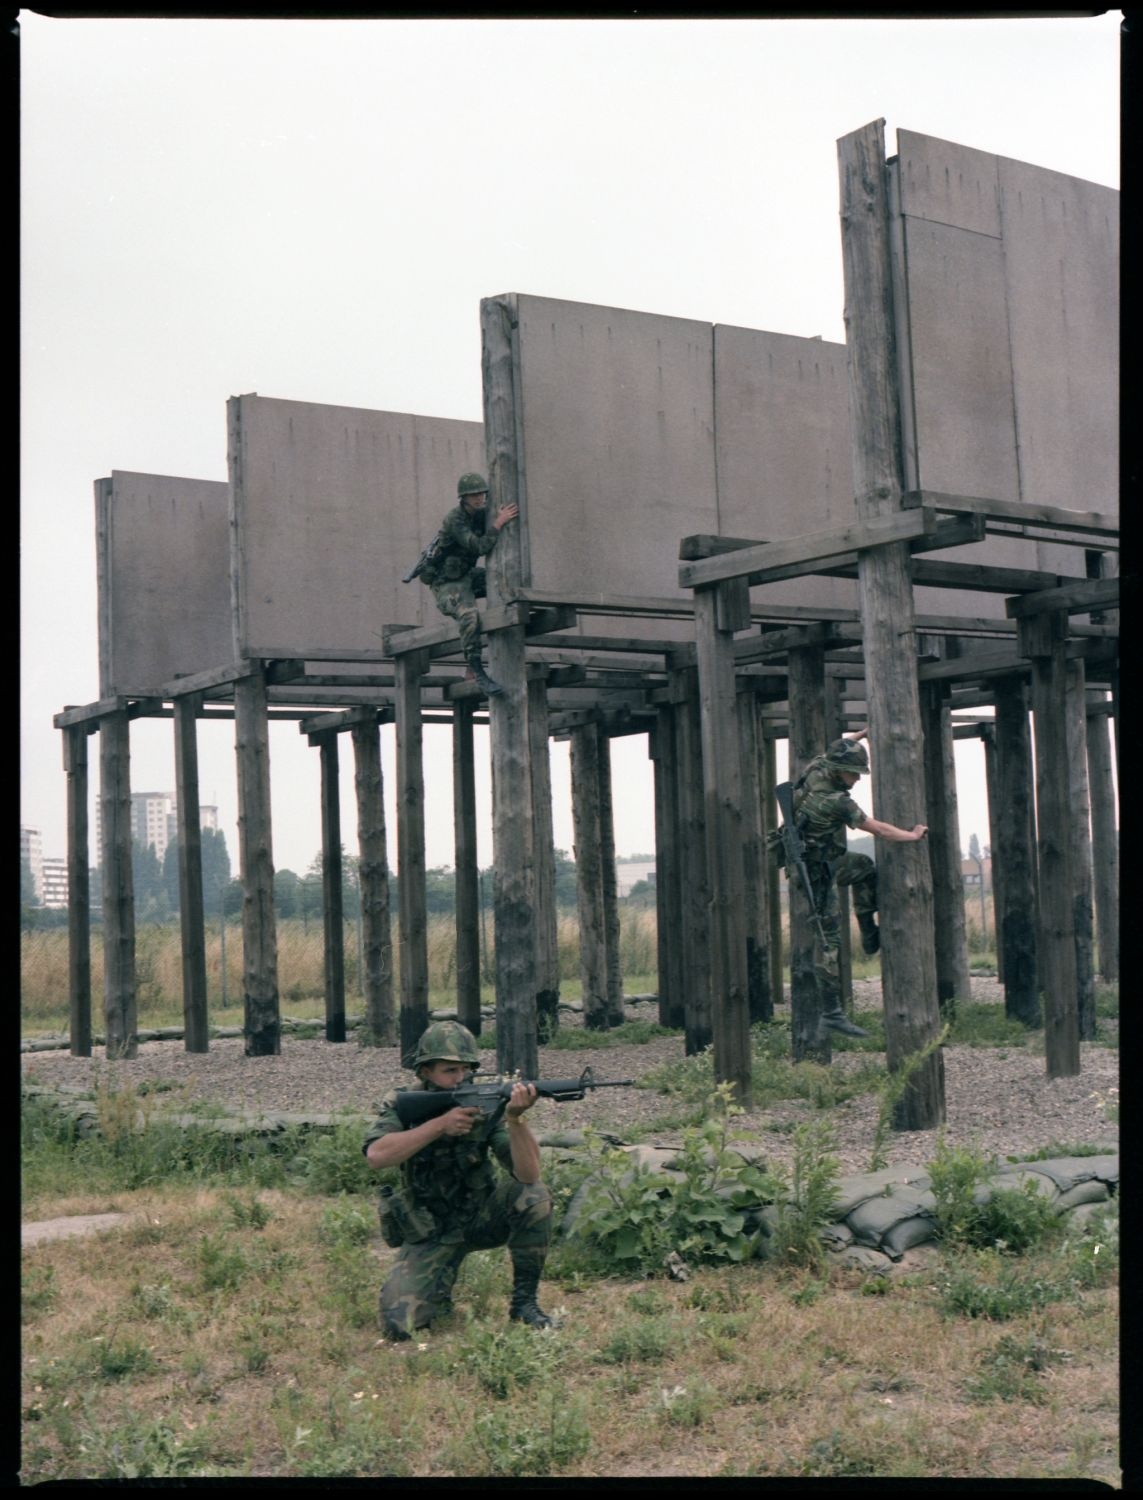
x=507, y=1357
x=956, y=1176
x=807, y=1193
x=1010, y=1370
x=513, y=1443
x=633, y=1216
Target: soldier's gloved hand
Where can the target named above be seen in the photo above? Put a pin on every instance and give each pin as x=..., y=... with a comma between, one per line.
x=459, y=1121
x=523, y=1097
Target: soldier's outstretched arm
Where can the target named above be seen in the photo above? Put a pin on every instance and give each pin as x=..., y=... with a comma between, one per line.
x=891, y=833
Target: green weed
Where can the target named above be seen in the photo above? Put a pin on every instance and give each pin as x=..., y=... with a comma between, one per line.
x=507, y=1357
x=806, y=1196
x=510, y=1445
x=1010, y=1370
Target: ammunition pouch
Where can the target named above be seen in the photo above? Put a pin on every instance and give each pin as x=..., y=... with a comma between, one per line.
x=401, y=1222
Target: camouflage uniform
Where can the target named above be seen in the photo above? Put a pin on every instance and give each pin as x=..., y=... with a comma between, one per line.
x=455, y=580
x=450, y=1202
x=824, y=809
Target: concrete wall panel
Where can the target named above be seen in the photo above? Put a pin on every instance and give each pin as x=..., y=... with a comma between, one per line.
x=618, y=422
x=1010, y=319
x=331, y=506
x=782, y=449
x=164, y=580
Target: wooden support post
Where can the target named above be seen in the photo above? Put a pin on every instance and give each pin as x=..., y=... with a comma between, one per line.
x=1083, y=876
x=609, y=884
x=512, y=803
x=668, y=896
x=414, y=1016
x=262, y=1025
x=120, y=1004
x=379, y=1026
x=722, y=801
x=467, y=869
x=810, y=1040
x=992, y=784
x=760, y=1003
x=698, y=1030
x=1014, y=851
x=908, y=957
x=1105, y=841
x=78, y=892
x=333, y=911
x=514, y=881
x=196, y=1025
x=951, y=937
x=1041, y=638
x=834, y=725
x=589, y=876
x=547, y=935
x=773, y=877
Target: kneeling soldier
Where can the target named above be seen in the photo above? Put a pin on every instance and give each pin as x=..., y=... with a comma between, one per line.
x=451, y=1199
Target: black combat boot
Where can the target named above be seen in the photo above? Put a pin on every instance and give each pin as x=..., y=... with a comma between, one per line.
x=837, y=1020
x=524, y=1308
x=870, y=934
x=486, y=684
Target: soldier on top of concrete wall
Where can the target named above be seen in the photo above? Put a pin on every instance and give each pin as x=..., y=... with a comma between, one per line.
x=824, y=810
x=449, y=567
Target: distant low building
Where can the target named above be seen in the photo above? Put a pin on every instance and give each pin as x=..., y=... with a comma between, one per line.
x=32, y=849
x=55, y=882
x=629, y=872
x=970, y=873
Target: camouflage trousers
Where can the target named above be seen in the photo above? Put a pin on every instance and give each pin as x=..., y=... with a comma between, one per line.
x=457, y=599
x=419, y=1287
x=859, y=873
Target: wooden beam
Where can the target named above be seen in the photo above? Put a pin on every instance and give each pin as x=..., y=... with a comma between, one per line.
x=349, y=718
x=192, y=921
x=414, y=1015
x=262, y=1023
x=773, y=559
x=185, y=684
x=400, y=639
x=333, y=906
x=78, y=891
x=1073, y=596
x=1056, y=516
x=544, y=854
x=379, y=1023
x=120, y=998
x=908, y=959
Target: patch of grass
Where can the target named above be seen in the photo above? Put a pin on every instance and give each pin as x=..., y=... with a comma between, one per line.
x=647, y=1340
x=807, y=1192
x=533, y=1441
x=506, y=1357
x=630, y=1033
x=1011, y=1369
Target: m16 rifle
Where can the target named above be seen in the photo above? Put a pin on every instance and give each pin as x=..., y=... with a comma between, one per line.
x=795, y=851
x=431, y=554
x=415, y=1106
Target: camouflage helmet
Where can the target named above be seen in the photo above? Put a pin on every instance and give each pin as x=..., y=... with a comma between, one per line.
x=472, y=484
x=848, y=755
x=447, y=1041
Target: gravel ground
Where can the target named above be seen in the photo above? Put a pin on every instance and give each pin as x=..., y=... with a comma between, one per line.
x=998, y=1099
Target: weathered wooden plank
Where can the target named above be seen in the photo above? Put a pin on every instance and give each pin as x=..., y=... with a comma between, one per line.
x=980, y=578
x=202, y=682
x=1104, y=836
x=467, y=870
x=943, y=839
x=722, y=802
x=78, y=892
x=399, y=639
x=987, y=732
x=512, y=806
x=196, y=1022
x=769, y=823
x=379, y=1023
x=1079, y=805
x=333, y=906
x=413, y=927
x=1042, y=639
x=834, y=726
x=668, y=893
x=1057, y=516
x=1074, y=596
x=810, y=1040
x=609, y=884
x=908, y=959
x=760, y=1002
x=349, y=718
x=698, y=1029
x=262, y=1026
x=543, y=842
x=120, y=999
x=768, y=562
x=588, y=853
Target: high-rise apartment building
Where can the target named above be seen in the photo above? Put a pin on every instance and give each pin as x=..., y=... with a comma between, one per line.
x=32, y=849
x=55, y=882
x=154, y=820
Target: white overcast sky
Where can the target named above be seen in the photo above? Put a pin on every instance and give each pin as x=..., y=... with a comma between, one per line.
x=313, y=210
